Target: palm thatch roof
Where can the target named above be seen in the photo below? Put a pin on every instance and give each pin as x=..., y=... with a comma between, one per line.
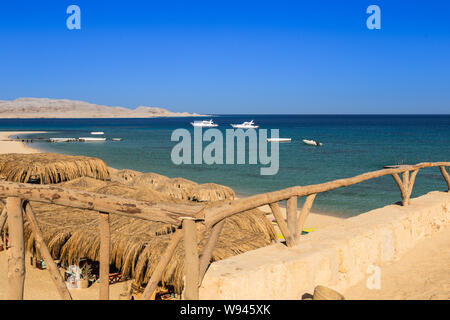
x=123, y=176
x=48, y=168
x=137, y=245
x=183, y=189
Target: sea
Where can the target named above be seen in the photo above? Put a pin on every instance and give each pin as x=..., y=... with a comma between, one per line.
x=352, y=144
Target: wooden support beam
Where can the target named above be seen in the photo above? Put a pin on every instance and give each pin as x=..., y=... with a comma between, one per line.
x=191, y=264
x=16, y=254
x=305, y=211
x=290, y=242
x=45, y=253
x=3, y=217
x=208, y=249
x=161, y=212
x=291, y=216
x=402, y=187
x=446, y=176
x=105, y=251
x=162, y=264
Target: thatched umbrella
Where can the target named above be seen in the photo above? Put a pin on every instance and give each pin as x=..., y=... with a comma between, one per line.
x=123, y=176
x=48, y=168
x=136, y=245
x=150, y=179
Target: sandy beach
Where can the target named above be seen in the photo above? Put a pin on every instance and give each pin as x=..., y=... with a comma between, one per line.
x=9, y=146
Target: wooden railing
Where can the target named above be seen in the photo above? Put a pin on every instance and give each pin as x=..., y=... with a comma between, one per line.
x=188, y=219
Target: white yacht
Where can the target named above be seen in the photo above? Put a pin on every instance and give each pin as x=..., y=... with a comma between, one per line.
x=245, y=125
x=204, y=123
x=97, y=132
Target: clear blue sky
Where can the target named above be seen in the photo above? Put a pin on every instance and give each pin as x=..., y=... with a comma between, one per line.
x=231, y=56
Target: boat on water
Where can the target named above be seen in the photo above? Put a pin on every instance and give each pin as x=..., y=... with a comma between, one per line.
x=88, y=139
x=245, y=125
x=312, y=143
x=279, y=139
x=204, y=123
x=116, y=139
x=97, y=132
x=62, y=139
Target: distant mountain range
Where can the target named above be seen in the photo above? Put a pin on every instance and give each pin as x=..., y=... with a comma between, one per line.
x=62, y=108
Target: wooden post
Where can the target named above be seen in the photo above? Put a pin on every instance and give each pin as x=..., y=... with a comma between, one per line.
x=191, y=265
x=162, y=264
x=16, y=254
x=205, y=256
x=290, y=242
x=446, y=176
x=305, y=211
x=43, y=250
x=405, y=179
x=406, y=185
x=105, y=249
x=291, y=216
x=401, y=186
x=411, y=183
x=3, y=217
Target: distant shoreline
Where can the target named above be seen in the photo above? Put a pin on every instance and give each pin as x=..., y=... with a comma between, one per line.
x=62, y=116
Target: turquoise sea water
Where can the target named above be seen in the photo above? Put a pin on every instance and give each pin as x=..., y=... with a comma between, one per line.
x=353, y=144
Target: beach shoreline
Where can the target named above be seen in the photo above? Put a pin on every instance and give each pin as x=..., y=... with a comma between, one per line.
x=8, y=145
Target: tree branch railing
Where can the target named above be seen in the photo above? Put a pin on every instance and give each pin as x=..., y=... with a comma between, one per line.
x=189, y=220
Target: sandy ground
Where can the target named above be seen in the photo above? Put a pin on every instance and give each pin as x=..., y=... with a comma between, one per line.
x=39, y=284
x=14, y=146
x=423, y=273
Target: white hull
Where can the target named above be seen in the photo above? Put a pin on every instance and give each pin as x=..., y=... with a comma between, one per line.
x=62, y=139
x=278, y=139
x=85, y=139
x=204, y=125
x=240, y=126
x=311, y=142
x=97, y=133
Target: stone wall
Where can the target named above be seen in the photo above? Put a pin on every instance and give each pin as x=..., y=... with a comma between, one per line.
x=337, y=256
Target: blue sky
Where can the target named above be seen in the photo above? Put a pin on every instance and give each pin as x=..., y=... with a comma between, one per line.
x=231, y=56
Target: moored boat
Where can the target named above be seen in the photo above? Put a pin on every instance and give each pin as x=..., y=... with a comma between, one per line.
x=204, y=123
x=279, y=139
x=245, y=125
x=312, y=142
x=88, y=139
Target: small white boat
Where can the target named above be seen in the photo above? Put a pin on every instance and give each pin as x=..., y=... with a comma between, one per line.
x=278, y=139
x=204, y=123
x=62, y=139
x=87, y=139
x=312, y=143
x=116, y=139
x=97, y=132
x=245, y=125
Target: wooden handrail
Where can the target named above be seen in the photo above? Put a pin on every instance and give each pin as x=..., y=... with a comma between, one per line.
x=160, y=212
x=213, y=215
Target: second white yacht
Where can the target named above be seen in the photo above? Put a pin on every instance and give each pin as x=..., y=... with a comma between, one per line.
x=245, y=125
